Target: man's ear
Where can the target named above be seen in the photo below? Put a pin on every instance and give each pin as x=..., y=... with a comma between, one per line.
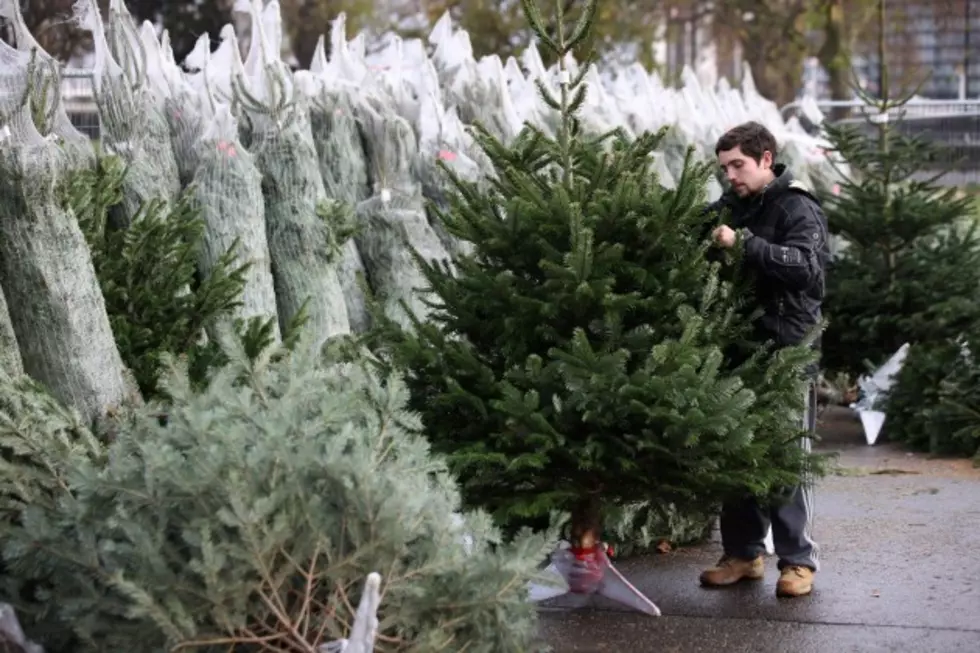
x=766, y=159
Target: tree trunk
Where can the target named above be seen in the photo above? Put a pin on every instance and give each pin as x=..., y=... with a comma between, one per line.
x=587, y=522
x=834, y=55
x=772, y=38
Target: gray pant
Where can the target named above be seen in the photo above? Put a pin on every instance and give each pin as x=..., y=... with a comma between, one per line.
x=744, y=524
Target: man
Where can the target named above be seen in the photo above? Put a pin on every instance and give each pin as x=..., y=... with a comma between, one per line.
x=783, y=231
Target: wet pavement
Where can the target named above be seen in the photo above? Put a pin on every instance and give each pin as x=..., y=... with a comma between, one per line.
x=900, y=556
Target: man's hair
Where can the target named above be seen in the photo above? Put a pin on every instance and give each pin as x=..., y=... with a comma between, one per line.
x=751, y=137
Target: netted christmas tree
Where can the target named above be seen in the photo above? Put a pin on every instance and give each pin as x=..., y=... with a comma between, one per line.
x=248, y=519
x=575, y=359
x=57, y=315
x=305, y=229
x=908, y=270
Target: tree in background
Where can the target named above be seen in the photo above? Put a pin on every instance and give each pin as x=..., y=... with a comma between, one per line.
x=50, y=22
x=306, y=20
x=575, y=360
x=909, y=267
x=622, y=28
x=185, y=21
x=772, y=34
x=841, y=22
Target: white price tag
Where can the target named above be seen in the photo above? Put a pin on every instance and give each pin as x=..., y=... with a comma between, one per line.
x=385, y=196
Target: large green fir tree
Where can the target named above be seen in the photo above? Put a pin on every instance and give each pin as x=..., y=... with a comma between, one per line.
x=908, y=269
x=576, y=358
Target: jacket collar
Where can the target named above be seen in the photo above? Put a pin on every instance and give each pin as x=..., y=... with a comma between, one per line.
x=775, y=187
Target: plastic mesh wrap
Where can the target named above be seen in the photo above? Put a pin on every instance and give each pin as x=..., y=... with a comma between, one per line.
x=302, y=242
x=393, y=220
x=810, y=159
x=10, y=360
x=444, y=141
x=48, y=110
x=55, y=305
x=477, y=89
x=674, y=148
x=533, y=107
x=343, y=167
x=216, y=68
x=228, y=190
x=133, y=125
x=333, y=117
x=182, y=104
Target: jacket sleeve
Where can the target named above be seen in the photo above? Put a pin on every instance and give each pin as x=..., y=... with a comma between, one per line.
x=794, y=262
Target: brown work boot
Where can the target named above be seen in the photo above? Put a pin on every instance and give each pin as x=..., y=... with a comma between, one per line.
x=730, y=570
x=794, y=581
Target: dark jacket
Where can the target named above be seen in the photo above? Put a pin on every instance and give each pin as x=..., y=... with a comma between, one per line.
x=786, y=249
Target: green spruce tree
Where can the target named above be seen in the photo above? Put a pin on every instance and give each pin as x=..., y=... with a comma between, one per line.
x=158, y=302
x=908, y=269
x=955, y=422
x=576, y=359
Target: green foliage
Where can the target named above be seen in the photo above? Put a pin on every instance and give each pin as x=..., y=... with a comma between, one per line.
x=257, y=336
x=639, y=528
x=936, y=398
x=907, y=270
x=148, y=275
x=958, y=413
x=43, y=96
x=38, y=436
x=255, y=510
x=577, y=355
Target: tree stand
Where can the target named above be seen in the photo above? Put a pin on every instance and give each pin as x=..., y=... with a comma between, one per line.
x=585, y=568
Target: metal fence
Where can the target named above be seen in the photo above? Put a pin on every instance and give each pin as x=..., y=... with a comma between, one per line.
x=954, y=125
x=77, y=96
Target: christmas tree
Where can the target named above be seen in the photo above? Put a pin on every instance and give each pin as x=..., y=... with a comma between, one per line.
x=576, y=357
x=907, y=266
x=249, y=518
x=954, y=423
x=158, y=300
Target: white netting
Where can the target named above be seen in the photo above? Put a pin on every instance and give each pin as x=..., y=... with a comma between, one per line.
x=182, y=104
x=343, y=165
x=131, y=115
x=53, y=298
x=228, y=190
x=477, y=88
x=50, y=116
x=10, y=360
x=443, y=139
x=300, y=234
x=393, y=220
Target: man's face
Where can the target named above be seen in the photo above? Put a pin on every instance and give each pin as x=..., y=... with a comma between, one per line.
x=743, y=173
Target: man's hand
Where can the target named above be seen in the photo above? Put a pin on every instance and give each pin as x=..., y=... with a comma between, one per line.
x=724, y=237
